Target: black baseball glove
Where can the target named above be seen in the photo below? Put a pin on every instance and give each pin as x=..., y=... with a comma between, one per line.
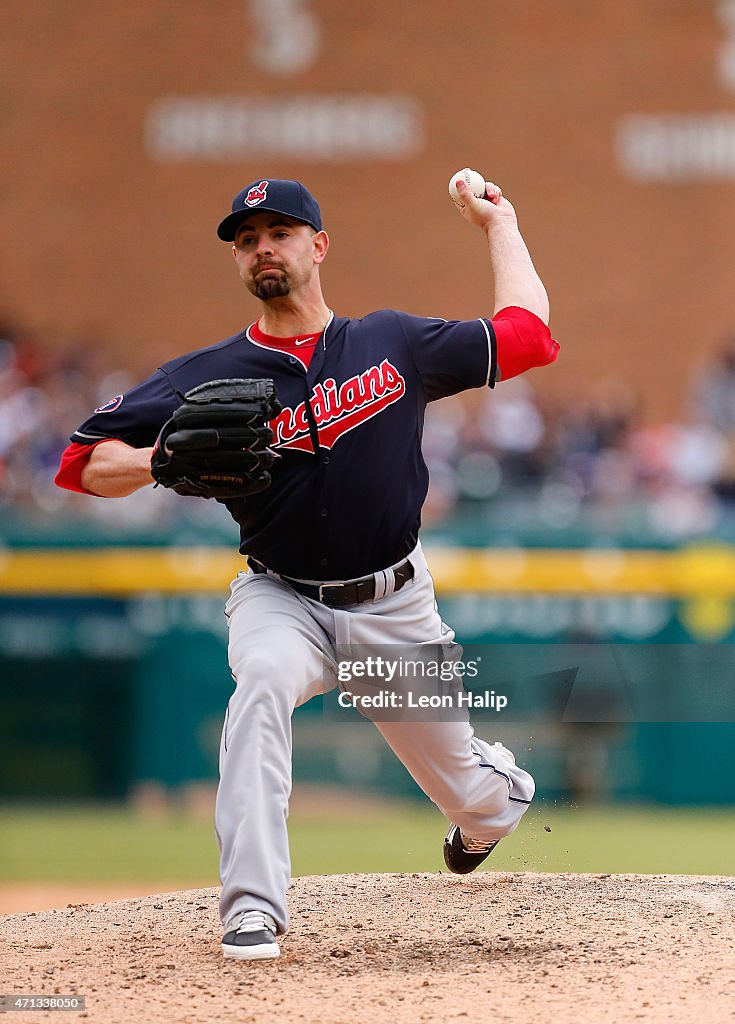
x=216, y=444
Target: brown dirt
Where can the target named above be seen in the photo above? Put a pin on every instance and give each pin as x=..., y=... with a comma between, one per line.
x=22, y=897
x=363, y=949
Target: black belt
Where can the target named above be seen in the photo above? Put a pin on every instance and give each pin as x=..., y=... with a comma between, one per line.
x=341, y=595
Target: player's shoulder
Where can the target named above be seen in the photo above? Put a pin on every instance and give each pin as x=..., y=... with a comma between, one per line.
x=382, y=315
x=220, y=352
x=386, y=323
x=381, y=320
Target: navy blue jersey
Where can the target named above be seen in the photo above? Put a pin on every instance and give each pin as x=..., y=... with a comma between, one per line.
x=348, y=490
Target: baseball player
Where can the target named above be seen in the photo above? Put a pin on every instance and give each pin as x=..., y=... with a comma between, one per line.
x=326, y=482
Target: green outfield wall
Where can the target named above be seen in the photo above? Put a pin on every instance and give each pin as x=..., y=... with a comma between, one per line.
x=113, y=671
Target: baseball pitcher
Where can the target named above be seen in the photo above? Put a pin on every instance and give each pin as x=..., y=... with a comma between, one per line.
x=307, y=426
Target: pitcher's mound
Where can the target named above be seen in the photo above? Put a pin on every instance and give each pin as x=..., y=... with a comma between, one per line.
x=364, y=949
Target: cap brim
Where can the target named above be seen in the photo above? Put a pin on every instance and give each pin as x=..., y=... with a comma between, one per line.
x=227, y=230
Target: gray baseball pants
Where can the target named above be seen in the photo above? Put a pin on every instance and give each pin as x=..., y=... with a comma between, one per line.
x=282, y=651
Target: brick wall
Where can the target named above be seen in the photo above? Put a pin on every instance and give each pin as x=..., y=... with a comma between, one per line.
x=108, y=228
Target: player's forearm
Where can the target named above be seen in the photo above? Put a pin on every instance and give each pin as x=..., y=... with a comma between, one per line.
x=516, y=281
x=115, y=469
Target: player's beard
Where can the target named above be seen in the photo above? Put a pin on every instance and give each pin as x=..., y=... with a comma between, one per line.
x=274, y=285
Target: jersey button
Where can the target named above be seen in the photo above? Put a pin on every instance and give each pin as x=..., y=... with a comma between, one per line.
x=323, y=561
x=325, y=460
x=292, y=359
x=324, y=513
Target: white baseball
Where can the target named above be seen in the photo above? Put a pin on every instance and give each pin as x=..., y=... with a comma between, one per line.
x=473, y=179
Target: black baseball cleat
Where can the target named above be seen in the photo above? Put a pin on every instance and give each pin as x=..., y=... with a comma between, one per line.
x=251, y=936
x=462, y=854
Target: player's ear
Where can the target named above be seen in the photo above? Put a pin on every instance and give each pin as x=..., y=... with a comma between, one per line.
x=320, y=243
x=234, y=252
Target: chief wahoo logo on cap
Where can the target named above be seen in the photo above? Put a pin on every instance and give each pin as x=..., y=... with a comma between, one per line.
x=257, y=194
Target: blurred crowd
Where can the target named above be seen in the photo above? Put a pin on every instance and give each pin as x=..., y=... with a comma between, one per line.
x=512, y=449
x=48, y=386
x=594, y=455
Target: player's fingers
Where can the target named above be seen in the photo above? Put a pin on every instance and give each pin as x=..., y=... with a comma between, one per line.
x=493, y=194
x=479, y=211
x=465, y=192
x=467, y=197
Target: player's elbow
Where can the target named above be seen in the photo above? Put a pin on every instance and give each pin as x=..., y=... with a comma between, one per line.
x=523, y=341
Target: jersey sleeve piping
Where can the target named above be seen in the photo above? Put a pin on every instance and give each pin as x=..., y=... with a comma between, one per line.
x=81, y=438
x=492, y=352
x=134, y=421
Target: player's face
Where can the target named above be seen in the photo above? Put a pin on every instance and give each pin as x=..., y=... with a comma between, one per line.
x=275, y=254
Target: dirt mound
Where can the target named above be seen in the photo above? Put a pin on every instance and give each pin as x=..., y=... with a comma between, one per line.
x=399, y=948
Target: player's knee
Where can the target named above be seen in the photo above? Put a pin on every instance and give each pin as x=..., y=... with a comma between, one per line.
x=268, y=675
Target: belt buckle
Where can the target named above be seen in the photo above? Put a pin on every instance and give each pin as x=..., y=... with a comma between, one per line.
x=328, y=586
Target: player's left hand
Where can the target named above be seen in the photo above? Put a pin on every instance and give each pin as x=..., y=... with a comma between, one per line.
x=216, y=444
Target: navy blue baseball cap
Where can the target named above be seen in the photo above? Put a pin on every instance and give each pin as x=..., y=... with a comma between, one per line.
x=271, y=195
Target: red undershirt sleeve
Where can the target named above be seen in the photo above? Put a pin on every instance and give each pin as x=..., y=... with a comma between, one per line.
x=523, y=341
x=73, y=460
